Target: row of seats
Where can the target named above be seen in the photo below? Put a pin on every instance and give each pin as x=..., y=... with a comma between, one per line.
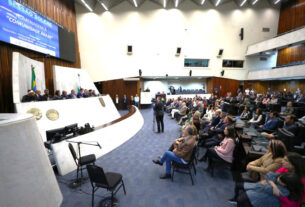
x=190, y=91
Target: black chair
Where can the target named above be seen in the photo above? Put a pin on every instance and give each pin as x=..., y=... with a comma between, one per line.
x=185, y=168
x=81, y=161
x=110, y=181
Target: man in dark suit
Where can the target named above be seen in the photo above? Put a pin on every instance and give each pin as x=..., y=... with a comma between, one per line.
x=46, y=95
x=38, y=95
x=80, y=94
x=29, y=97
x=125, y=102
x=159, y=112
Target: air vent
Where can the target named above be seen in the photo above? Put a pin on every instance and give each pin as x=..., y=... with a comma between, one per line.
x=266, y=29
x=263, y=59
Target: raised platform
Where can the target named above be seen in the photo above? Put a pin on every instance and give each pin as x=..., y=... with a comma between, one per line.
x=96, y=111
x=110, y=136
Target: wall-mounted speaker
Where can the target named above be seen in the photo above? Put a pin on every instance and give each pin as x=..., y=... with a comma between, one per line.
x=190, y=73
x=178, y=51
x=129, y=49
x=222, y=73
x=220, y=52
x=140, y=72
x=241, y=34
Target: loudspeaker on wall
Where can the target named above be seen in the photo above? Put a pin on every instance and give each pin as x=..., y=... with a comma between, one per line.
x=241, y=34
x=129, y=49
x=178, y=51
x=220, y=52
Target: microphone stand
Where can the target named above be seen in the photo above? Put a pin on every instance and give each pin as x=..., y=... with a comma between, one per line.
x=79, y=181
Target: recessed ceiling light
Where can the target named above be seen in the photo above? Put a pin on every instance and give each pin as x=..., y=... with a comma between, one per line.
x=202, y=2
x=218, y=2
x=135, y=3
x=86, y=5
x=277, y=1
x=103, y=5
x=254, y=2
x=176, y=3
x=164, y=3
x=243, y=3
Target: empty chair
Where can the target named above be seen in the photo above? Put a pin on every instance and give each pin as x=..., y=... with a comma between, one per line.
x=81, y=161
x=110, y=181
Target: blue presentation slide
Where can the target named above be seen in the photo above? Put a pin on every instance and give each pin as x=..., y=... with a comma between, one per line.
x=22, y=27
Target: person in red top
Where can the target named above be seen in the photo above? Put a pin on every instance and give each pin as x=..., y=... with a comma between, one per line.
x=293, y=162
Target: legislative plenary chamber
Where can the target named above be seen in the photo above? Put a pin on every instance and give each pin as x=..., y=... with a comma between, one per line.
x=152, y=103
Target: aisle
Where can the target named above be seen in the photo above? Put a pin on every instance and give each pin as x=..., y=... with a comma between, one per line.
x=144, y=188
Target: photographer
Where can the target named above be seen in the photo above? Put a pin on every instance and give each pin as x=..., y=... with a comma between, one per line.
x=159, y=112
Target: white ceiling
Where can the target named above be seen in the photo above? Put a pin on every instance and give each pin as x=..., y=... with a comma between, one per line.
x=108, y=4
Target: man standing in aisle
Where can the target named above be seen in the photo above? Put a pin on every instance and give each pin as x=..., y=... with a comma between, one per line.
x=137, y=100
x=159, y=112
x=116, y=101
x=125, y=102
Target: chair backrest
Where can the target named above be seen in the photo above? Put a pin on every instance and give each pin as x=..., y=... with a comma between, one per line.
x=71, y=148
x=193, y=154
x=97, y=175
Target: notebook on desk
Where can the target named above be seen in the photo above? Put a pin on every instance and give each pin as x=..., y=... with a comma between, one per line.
x=259, y=148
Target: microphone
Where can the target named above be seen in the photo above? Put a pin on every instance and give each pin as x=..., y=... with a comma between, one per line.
x=98, y=144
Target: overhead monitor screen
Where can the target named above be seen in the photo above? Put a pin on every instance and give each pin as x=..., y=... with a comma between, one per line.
x=21, y=26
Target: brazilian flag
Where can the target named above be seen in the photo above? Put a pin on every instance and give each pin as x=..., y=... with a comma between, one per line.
x=33, y=87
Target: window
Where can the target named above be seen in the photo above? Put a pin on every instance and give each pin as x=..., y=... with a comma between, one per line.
x=196, y=62
x=233, y=63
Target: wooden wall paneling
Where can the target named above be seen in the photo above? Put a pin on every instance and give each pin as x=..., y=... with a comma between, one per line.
x=292, y=16
x=120, y=87
x=60, y=11
x=209, y=85
x=291, y=54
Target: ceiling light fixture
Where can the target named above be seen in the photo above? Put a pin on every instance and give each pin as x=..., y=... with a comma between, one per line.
x=176, y=3
x=164, y=3
x=135, y=3
x=277, y=1
x=202, y=2
x=86, y=5
x=218, y=2
x=104, y=6
x=243, y=3
x=254, y=2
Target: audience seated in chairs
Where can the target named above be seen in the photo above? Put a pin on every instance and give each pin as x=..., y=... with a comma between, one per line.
x=270, y=162
x=182, y=112
x=181, y=151
x=272, y=122
x=223, y=151
x=36, y=95
x=292, y=163
x=289, y=125
x=246, y=114
x=289, y=110
x=216, y=133
x=261, y=194
x=257, y=119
